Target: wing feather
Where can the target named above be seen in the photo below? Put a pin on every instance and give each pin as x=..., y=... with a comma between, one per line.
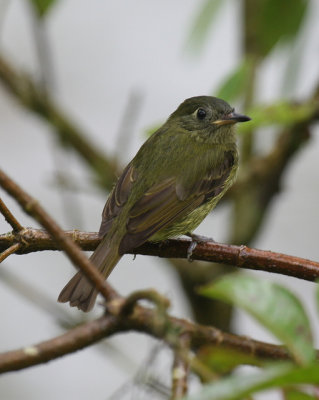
x=162, y=204
x=166, y=202
x=117, y=198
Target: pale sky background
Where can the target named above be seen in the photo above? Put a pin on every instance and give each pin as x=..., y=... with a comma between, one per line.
x=101, y=52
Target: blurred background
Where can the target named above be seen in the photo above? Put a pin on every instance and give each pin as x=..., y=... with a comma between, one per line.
x=107, y=73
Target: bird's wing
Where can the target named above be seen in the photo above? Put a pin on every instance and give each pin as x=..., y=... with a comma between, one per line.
x=212, y=181
x=117, y=198
x=166, y=202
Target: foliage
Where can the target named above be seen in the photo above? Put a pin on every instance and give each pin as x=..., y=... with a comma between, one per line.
x=237, y=387
x=42, y=6
x=275, y=307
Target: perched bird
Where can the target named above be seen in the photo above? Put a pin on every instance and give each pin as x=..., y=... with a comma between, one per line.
x=176, y=178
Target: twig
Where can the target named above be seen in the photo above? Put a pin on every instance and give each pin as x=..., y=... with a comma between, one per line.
x=69, y=342
x=161, y=302
x=240, y=256
x=160, y=322
x=142, y=320
x=43, y=49
x=78, y=258
x=146, y=379
x=9, y=217
x=12, y=249
x=180, y=371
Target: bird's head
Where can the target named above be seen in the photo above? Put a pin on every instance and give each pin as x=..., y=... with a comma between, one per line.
x=207, y=117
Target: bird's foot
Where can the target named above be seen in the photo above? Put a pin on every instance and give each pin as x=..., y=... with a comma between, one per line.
x=196, y=239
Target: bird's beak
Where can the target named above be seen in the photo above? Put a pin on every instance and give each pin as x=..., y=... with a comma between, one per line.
x=231, y=118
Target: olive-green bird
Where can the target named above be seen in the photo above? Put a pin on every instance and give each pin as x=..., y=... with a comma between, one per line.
x=176, y=178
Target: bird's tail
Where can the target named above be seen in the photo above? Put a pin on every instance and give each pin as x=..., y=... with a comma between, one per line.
x=79, y=291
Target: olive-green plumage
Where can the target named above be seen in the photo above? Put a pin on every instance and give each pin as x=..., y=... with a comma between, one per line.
x=176, y=178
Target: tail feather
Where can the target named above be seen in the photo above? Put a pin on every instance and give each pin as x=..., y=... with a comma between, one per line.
x=79, y=291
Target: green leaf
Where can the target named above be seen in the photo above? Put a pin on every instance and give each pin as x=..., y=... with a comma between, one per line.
x=203, y=23
x=42, y=6
x=293, y=394
x=236, y=83
x=277, y=20
x=239, y=386
x=223, y=360
x=273, y=306
x=280, y=113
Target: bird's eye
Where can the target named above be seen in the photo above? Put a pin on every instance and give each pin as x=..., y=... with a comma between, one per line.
x=201, y=113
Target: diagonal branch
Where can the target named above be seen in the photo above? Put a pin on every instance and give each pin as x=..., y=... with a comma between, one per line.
x=77, y=257
x=10, y=250
x=9, y=217
x=142, y=320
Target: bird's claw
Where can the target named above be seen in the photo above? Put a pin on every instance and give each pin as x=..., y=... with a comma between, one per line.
x=196, y=239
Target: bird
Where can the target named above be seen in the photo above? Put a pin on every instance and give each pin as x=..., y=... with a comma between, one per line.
x=176, y=178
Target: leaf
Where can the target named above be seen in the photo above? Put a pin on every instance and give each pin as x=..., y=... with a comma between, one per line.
x=280, y=113
x=273, y=306
x=223, y=360
x=203, y=23
x=277, y=20
x=239, y=386
x=42, y=6
x=236, y=83
x=293, y=394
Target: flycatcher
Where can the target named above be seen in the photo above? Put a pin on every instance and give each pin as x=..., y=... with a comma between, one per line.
x=176, y=178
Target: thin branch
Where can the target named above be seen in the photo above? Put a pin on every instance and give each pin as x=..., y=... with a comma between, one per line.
x=69, y=342
x=43, y=49
x=34, y=240
x=10, y=250
x=240, y=256
x=142, y=320
x=78, y=258
x=161, y=302
x=9, y=217
x=180, y=371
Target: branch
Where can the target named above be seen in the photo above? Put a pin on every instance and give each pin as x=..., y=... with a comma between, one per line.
x=9, y=217
x=10, y=250
x=34, y=99
x=69, y=342
x=180, y=371
x=240, y=256
x=77, y=257
x=141, y=320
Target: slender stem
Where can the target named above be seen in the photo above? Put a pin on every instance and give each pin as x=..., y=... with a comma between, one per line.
x=161, y=302
x=180, y=371
x=9, y=217
x=12, y=249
